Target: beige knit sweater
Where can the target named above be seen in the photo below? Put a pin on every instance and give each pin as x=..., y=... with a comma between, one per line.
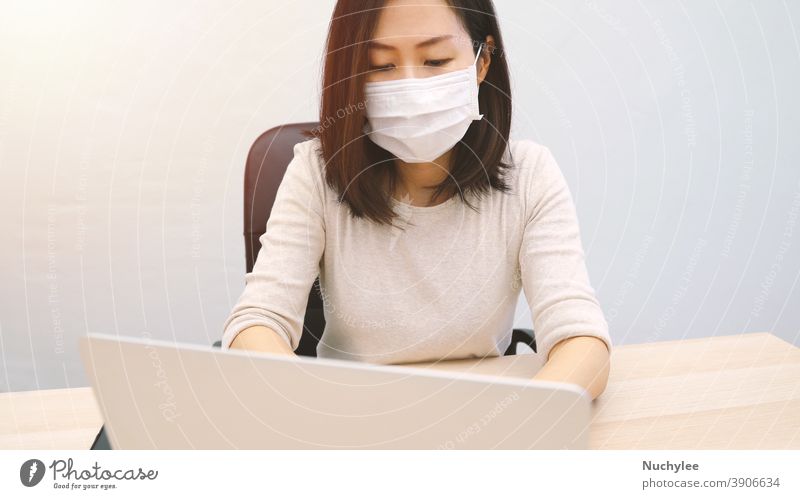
x=446, y=287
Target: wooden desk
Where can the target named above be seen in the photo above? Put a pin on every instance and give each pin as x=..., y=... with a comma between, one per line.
x=727, y=392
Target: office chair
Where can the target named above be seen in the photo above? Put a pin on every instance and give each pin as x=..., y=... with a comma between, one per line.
x=266, y=164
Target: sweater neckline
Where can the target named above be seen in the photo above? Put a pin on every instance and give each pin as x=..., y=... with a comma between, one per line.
x=424, y=209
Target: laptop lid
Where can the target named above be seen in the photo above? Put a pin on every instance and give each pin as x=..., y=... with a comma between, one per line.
x=155, y=394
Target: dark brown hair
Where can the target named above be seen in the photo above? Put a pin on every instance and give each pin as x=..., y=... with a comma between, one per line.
x=361, y=172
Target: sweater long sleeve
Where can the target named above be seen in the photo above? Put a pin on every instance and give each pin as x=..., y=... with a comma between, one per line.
x=276, y=291
x=552, y=261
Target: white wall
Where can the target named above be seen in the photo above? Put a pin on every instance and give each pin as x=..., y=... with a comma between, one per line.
x=124, y=129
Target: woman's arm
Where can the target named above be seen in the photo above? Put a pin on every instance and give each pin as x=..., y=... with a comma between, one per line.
x=277, y=289
x=582, y=360
x=570, y=327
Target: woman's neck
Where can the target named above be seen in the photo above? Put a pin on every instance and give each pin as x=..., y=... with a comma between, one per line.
x=417, y=181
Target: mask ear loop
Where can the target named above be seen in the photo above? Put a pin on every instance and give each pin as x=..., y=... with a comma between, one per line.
x=477, y=56
x=475, y=63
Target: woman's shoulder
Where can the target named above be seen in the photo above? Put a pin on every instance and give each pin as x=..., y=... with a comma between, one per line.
x=527, y=153
x=308, y=156
x=310, y=149
x=304, y=174
x=533, y=164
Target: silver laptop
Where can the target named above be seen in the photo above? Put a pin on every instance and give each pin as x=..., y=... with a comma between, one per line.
x=163, y=395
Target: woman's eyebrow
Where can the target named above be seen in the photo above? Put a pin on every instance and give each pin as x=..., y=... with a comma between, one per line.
x=430, y=41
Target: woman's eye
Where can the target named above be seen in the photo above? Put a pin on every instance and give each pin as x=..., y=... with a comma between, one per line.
x=429, y=62
x=381, y=68
x=437, y=62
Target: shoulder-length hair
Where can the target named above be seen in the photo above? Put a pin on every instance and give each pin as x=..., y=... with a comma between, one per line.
x=362, y=173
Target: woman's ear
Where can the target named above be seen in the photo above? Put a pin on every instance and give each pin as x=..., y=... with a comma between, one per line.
x=485, y=59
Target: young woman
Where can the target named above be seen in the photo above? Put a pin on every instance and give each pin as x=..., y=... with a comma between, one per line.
x=421, y=218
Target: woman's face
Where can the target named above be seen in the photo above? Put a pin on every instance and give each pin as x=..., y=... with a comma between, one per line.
x=418, y=39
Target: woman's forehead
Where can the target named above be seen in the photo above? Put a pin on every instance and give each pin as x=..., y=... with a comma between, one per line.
x=407, y=23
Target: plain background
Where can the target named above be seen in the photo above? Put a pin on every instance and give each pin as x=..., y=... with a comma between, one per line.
x=124, y=128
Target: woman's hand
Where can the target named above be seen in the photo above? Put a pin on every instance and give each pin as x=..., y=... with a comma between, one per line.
x=581, y=360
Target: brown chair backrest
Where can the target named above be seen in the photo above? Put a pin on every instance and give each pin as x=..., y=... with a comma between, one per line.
x=266, y=164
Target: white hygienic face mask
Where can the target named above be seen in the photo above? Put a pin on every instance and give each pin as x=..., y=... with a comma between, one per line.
x=419, y=119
